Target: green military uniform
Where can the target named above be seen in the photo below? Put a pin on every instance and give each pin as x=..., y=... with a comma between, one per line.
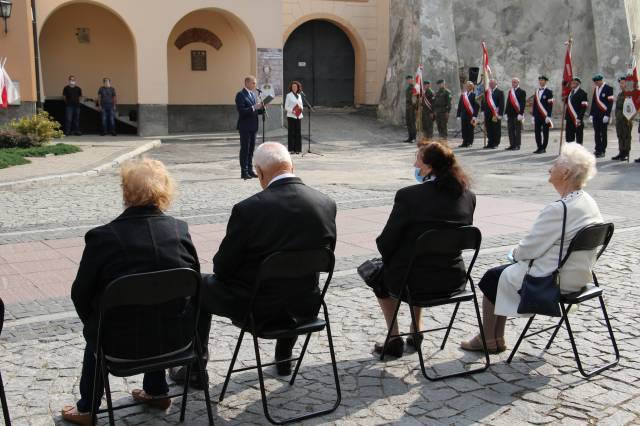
x=441, y=107
x=427, y=113
x=623, y=128
x=411, y=105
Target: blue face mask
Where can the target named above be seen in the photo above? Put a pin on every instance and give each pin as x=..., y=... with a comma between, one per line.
x=419, y=178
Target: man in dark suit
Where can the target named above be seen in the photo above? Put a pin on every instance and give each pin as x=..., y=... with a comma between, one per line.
x=576, y=107
x=248, y=109
x=467, y=114
x=516, y=100
x=601, y=107
x=542, y=109
x=493, y=109
x=286, y=215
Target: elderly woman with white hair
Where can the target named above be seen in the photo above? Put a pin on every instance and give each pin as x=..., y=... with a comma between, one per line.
x=500, y=285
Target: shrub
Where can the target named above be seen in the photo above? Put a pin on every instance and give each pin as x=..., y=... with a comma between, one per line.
x=13, y=139
x=40, y=128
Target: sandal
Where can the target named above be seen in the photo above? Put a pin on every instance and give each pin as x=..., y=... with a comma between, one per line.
x=71, y=414
x=395, y=347
x=494, y=346
x=159, y=401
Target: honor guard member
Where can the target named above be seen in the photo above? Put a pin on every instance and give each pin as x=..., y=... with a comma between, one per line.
x=576, y=107
x=516, y=100
x=542, y=109
x=467, y=114
x=441, y=107
x=623, y=126
x=410, y=109
x=427, y=110
x=493, y=110
x=601, y=106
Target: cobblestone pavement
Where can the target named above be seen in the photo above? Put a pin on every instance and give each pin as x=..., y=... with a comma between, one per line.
x=362, y=167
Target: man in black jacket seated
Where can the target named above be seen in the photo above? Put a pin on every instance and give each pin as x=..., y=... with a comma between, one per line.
x=287, y=215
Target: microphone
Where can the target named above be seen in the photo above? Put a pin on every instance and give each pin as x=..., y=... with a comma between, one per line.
x=258, y=90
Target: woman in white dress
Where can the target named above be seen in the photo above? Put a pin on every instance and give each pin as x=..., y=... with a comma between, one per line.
x=293, y=105
x=500, y=285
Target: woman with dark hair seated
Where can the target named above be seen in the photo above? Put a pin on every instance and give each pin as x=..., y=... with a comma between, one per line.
x=141, y=239
x=441, y=199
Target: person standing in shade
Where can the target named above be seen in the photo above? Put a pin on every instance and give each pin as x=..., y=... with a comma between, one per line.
x=623, y=126
x=427, y=110
x=411, y=104
x=516, y=100
x=542, y=109
x=442, y=107
x=637, y=160
x=493, y=110
x=601, y=107
x=293, y=105
x=72, y=95
x=107, y=101
x=576, y=107
x=248, y=109
x=467, y=113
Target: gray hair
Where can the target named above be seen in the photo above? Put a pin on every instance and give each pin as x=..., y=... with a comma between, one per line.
x=580, y=163
x=516, y=79
x=270, y=154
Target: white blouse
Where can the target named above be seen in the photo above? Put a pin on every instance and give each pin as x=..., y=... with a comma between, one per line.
x=290, y=102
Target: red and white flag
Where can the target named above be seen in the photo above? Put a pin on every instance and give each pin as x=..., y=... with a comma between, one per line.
x=486, y=72
x=417, y=87
x=567, y=76
x=8, y=91
x=632, y=102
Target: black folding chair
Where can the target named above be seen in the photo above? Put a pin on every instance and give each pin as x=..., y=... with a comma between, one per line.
x=149, y=289
x=442, y=242
x=588, y=238
x=3, y=397
x=288, y=265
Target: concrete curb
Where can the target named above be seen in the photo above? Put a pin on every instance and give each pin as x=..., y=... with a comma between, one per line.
x=54, y=179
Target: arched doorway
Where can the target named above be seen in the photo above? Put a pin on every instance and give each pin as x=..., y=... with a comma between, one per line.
x=91, y=42
x=209, y=51
x=319, y=54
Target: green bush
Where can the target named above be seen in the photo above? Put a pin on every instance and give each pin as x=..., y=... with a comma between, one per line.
x=40, y=128
x=16, y=156
x=13, y=139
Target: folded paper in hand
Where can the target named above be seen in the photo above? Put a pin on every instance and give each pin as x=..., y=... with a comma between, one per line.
x=297, y=110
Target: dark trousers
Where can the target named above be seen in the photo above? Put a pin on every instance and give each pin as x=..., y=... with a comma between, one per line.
x=600, y=132
x=514, y=126
x=154, y=383
x=107, y=115
x=247, y=145
x=574, y=134
x=494, y=131
x=542, y=133
x=72, y=119
x=294, y=134
x=411, y=122
x=467, y=131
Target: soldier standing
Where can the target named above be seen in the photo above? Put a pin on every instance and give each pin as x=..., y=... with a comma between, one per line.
x=427, y=110
x=601, y=106
x=576, y=107
x=410, y=109
x=441, y=107
x=623, y=126
x=516, y=101
x=542, y=109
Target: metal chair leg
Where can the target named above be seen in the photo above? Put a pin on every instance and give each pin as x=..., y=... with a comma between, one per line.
x=233, y=362
x=416, y=333
x=393, y=321
x=107, y=388
x=302, y=352
x=334, y=364
x=5, y=406
x=95, y=405
x=522, y=335
x=263, y=391
x=453, y=317
x=187, y=378
x=203, y=379
x=555, y=332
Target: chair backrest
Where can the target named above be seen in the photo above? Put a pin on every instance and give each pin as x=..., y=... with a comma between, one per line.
x=151, y=291
x=590, y=238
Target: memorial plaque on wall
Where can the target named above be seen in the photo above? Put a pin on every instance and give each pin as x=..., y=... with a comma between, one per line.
x=270, y=71
x=198, y=60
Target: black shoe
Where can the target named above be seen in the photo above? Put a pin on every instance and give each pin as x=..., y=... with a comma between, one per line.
x=407, y=140
x=600, y=155
x=177, y=374
x=77, y=133
x=464, y=145
x=103, y=134
x=395, y=347
x=245, y=176
x=510, y=148
x=517, y=148
x=624, y=157
x=487, y=147
x=114, y=134
x=637, y=160
x=284, y=349
x=415, y=344
x=617, y=157
x=537, y=151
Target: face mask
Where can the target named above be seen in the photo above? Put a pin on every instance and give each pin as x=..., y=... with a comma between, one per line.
x=72, y=83
x=107, y=84
x=416, y=173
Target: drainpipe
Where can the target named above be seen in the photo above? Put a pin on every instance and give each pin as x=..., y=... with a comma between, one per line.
x=36, y=53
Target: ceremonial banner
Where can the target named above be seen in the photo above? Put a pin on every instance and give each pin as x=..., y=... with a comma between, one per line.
x=567, y=76
x=486, y=72
x=417, y=87
x=8, y=92
x=632, y=102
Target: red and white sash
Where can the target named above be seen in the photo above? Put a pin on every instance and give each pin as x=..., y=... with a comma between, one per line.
x=539, y=106
x=572, y=112
x=492, y=105
x=467, y=104
x=596, y=98
x=426, y=102
x=514, y=101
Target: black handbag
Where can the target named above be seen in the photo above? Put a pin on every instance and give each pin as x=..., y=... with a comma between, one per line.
x=371, y=272
x=541, y=295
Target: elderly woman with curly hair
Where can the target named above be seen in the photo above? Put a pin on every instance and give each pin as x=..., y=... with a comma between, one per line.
x=142, y=239
x=569, y=174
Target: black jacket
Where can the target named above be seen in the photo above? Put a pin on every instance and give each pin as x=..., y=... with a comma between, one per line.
x=521, y=97
x=579, y=102
x=416, y=209
x=498, y=99
x=606, y=97
x=546, y=99
x=462, y=111
x=287, y=215
x=141, y=239
x=247, y=114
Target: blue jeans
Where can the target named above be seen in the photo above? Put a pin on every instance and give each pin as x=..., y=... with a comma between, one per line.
x=107, y=114
x=72, y=119
x=154, y=383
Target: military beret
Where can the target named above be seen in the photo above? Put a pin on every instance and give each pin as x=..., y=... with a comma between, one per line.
x=598, y=77
x=577, y=79
x=440, y=81
x=409, y=76
x=427, y=82
x=622, y=78
x=543, y=77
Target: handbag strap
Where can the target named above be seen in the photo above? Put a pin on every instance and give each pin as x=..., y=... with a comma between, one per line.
x=564, y=225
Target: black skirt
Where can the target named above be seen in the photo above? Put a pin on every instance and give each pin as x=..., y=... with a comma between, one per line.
x=489, y=282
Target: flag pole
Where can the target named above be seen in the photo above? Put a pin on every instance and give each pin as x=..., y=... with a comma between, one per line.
x=564, y=104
